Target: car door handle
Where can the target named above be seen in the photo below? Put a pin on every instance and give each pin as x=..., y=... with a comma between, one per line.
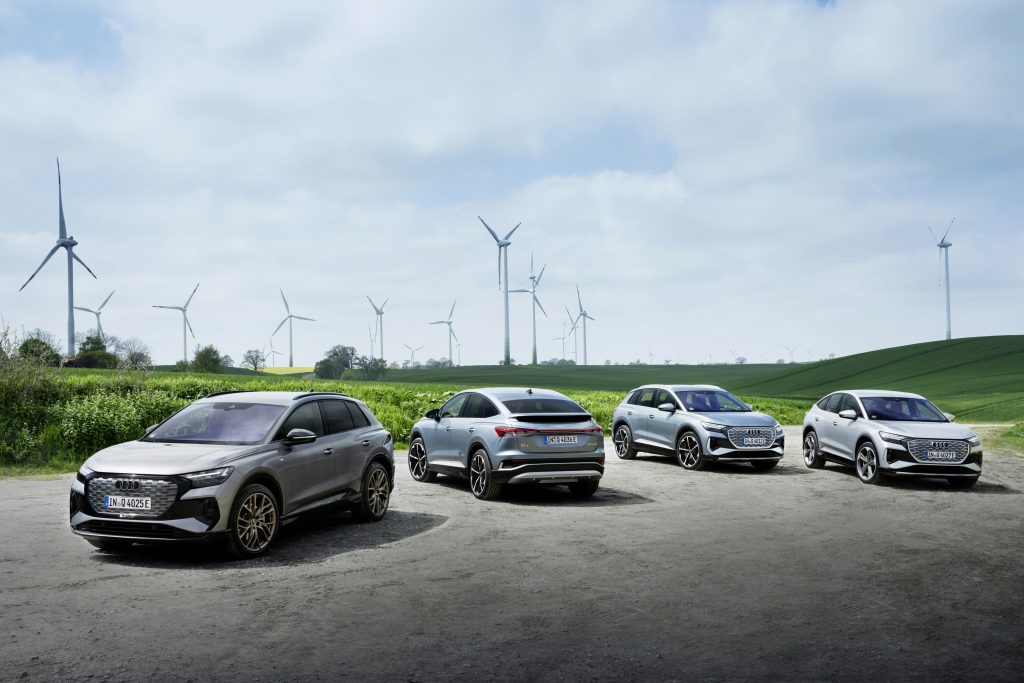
x=835, y=424
x=629, y=412
x=472, y=430
x=651, y=416
x=328, y=451
x=364, y=442
x=447, y=429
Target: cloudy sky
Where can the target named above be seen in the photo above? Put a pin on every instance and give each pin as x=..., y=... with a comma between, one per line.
x=718, y=177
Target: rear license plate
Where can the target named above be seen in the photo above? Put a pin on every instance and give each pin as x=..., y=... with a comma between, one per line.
x=754, y=441
x=126, y=503
x=941, y=455
x=561, y=439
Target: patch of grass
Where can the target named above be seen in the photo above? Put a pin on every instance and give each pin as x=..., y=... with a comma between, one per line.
x=1012, y=438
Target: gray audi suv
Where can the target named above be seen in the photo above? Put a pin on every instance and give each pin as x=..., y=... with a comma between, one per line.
x=890, y=432
x=697, y=424
x=498, y=437
x=236, y=466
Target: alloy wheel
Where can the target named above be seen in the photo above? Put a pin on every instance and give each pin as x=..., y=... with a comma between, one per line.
x=810, y=450
x=417, y=460
x=478, y=474
x=379, y=491
x=689, y=451
x=621, y=441
x=867, y=463
x=257, y=522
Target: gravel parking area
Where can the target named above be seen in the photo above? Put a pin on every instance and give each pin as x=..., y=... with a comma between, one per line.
x=665, y=574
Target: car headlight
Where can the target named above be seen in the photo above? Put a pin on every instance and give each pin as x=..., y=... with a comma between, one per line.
x=713, y=426
x=84, y=471
x=210, y=477
x=891, y=437
x=974, y=441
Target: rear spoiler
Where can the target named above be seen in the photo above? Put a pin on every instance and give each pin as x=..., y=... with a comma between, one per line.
x=553, y=417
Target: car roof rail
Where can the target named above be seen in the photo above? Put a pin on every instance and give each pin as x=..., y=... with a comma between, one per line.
x=320, y=393
x=229, y=391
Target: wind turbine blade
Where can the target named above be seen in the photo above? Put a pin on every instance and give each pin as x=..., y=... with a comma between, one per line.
x=285, y=303
x=172, y=308
x=87, y=310
x=531, y=264
x=933, y=234
x=509, y=235
x=537, y=281
x=52, y=252
x=384, y=304
x=279, y=326
x=60, y=204
x=439, y=322
x=75, y=256
x=452, y=330
x=191, y=295
x=537, y=301
x=419, y=348
x=299, y=317
x=107, y=299
x=453, y=309
x=578, y=297
x=517, y=291
x=406, y=346
x=377, y=310
x=589, y=317
x=493, y=234
x=188, y=324
x=949, y=228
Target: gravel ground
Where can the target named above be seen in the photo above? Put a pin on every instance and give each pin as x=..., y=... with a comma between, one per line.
x=665, y=574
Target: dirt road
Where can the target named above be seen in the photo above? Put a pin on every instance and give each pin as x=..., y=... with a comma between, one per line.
x=665, y=574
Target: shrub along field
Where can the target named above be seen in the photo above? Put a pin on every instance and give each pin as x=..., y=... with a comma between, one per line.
x=54, y=419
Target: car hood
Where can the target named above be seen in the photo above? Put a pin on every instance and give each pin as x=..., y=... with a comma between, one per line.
x=926, y=430
x=147, y=457
x=751, y=419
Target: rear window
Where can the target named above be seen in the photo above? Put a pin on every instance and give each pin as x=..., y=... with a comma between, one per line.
x=542, y=405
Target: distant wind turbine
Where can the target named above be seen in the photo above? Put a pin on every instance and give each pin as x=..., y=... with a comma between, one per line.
x=97, y=312
x=451, y=332
x=412, y=352
x=574, y=321
x=379, y=310
x=503, y=244
x=184, y=322
x=69, y=244
x=534, y=281
x=792, y=350
x=288, y=319
x=273, y=353
x=943, y=246
x=584, y=316
x=562, y=339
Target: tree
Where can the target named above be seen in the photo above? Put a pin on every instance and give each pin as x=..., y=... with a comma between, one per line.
x=254, y=359
x=40, y=351
x=740, y=360
x=336, y=361
x=207, y=359
x=92, y=343
x=134, y=354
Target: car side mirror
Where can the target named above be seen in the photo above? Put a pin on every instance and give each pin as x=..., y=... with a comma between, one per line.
x=299, y=436
x=848, y=414
x=950, y=416
x=150, y=428
x=433, y=414
x=667, y=407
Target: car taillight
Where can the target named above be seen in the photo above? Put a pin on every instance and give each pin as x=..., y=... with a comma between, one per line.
x=501, y=430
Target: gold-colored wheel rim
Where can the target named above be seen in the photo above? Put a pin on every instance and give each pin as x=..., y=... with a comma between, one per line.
x=257, y=522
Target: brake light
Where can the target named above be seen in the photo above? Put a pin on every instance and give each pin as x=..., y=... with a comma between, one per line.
x=502, y=431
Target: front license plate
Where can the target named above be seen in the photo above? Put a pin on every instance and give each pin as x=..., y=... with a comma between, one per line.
x=126, y=503
x=754, y=441
x=941, y=455
x=561, y=439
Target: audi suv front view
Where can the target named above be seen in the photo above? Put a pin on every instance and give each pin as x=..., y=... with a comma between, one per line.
x=890, y=432
x=498, y=437
x=696, y=423
x=236, y=466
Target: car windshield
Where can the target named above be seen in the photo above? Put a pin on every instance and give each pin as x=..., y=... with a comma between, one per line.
x=219, y=423
x=542, y=405
x=711, y=401
x=901, y=409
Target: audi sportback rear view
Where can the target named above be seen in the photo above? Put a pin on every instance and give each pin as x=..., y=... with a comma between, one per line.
x=697, y=424
x=893, y=433
x=499, y=437
x=236, y=466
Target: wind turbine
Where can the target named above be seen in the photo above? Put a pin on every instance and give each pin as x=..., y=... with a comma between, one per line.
x=451, y=332
x=412, y=352
x=503, y=244
x=69, y=244
x=943, y=246
x=562, y=339
x=184, y=322
x=792, y=350
x=379, y=310
x=585, y=317
x=534, y=281
x=273, y=353
x=288, y=319
x=97, y=312
x=575, y=336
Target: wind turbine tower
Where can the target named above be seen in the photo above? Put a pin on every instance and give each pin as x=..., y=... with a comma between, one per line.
x=575, y=336
x=379, y=310
x=944, y=246
x=451, y=332
x=503, y=244
x=584, y=316
x=184, y=323
x=288, y=319
x=97, y=312
x=69, y=244
x=412, y=352
x=534, y=281
x=562, y=339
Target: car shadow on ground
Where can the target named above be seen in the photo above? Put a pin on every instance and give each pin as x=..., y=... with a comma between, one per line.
x=929, y=483
x=553, y=495
x=781, y=470
x=312, y=538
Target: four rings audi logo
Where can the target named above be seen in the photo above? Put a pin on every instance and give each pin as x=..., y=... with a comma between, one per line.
x=127, y=484
x=941, y=444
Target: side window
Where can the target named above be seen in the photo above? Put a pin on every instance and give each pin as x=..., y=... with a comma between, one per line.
x=848, y=402
x=306, y=416
x=634, y=398
x=664, y=397
x=359, y=418
x=832, y=405
x=487, y=408
x=823, y=402
x=478, y=406
x=454, y=405
x=646, y=398
x=336, y=417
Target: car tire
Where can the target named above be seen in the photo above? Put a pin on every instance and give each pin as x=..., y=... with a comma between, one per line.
x=689, y=454
x=584, y=489
x=866, y=463
x=962, y=482
x=418, y=467
x=812, y=451
x=110, y=544
x=764, y=465
x=622, y=439
x=254, y=522
x=376, y=494
x=481, y=483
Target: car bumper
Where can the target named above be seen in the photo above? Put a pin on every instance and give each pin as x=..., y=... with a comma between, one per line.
x=899, y=462
x=187, y=519
x=548, y=472
x=720, y=448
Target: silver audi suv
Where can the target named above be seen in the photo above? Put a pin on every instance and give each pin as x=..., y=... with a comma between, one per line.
x=495, y=437
x=236, y=466
x=696, y=423
x=890, y=432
